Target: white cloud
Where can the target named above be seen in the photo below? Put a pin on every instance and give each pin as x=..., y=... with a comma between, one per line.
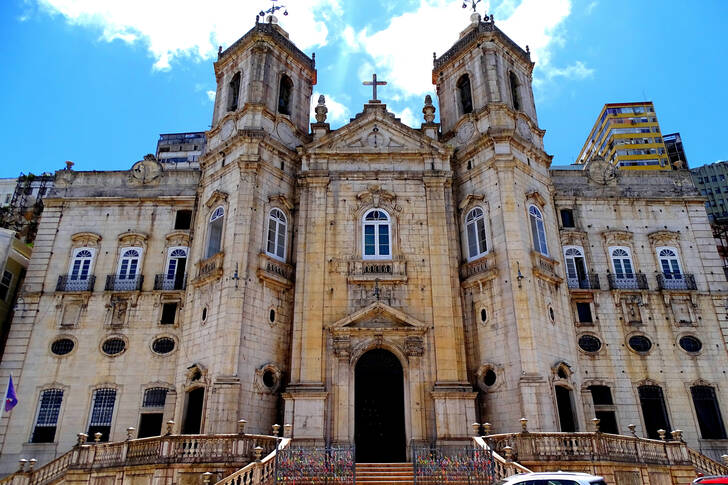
x=575, y=71
x=179, y=28
x=407, y=117
x=590, y=8
x=337, y=113
x=435, y=24
x=211, y=95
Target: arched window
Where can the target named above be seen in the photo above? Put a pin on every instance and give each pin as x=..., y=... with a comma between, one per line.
x=129, y=263
x=622, y=263
x=214, y=232
x=176, y=266
x=576, y=273
x=538, y=232
x=277, y=225
x=81, y=264
x=513, y=81
x=475, y=230
x=284, y=95
x=465, y=94
x=669, y=263
x=376, y=235
x=233, y=92
x=102, y=412
x=46, y=419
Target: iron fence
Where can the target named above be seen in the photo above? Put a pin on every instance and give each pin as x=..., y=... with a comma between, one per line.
x=68, y=283
x=676, y=281
x=462, y=464
x=330, y=465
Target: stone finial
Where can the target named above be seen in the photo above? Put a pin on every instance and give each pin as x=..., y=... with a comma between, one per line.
x=475, y=18
x=97, y=437
x=130, y=433
x=508, y=451
x=288, y=431
x=725, y=459
x=488, y=428
x=596, y=422
x=476, y=429
x=676, y=434
x=207, y=478
x=69, y=165
x=276, y=429
x=31, y=464
x=170, y=427
x=241, y=426
x=524, y=425
x=21, y=464
x=663, y=434
x=632, y=429
x=321, y=110
x=258, y=453
x=81, y=439
x=429, y=110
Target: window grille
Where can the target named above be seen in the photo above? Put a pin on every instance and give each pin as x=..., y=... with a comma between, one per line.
x=155, y=397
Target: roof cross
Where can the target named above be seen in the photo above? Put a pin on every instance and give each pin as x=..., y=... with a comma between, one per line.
x=374, y=83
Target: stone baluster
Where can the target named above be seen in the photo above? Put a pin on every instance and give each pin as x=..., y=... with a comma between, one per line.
x=81, y=439
x=97, y=437
x=524, y=425
x=676, y=434
x=22, y=462
x=288, y=430
x=207, y=478
x=632, y=429
x=31, y=464
x=725, y=459
x=170, y=427
x=476, y=429
x=596, y=422
x=241, y=426
x=488, y=429
x=663, y=434
x=130, y=433
x=276, y=429
x=258, y=453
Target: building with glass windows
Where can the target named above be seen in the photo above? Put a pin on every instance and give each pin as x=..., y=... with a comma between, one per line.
x=373, y=285
x=181, y=149
x=628, y=136
x=675, y=150
x=712, y=182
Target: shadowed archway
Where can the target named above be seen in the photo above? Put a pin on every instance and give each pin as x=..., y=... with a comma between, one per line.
x=379, y=431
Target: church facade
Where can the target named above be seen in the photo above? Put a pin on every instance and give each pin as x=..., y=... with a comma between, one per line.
x=373, y=284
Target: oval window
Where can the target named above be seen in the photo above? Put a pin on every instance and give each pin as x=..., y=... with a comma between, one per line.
x=163, y=345
x=640, y=343
x=113, y=346
x=589, y=343
x=690, y=344
x=62, y=346
x=483, y=315
x=551, y=314
x=269, y=379
x=272, y=316
x=489, y=377
x=204, y=314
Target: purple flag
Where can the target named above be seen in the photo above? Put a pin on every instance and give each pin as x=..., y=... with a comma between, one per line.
x=10, y=398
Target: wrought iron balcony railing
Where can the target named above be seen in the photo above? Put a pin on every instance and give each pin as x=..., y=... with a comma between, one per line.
x=628, y=281
x=676, y=281
x=118, y=283
x=66, y=283
x=162, y=282
x=586, y=282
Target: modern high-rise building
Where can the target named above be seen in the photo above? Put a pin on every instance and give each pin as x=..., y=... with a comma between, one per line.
x=675, y=150
x=711, y=182
x=181, y=148
x=628, y=136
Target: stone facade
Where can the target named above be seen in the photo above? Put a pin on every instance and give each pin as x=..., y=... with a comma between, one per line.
x=306, y=249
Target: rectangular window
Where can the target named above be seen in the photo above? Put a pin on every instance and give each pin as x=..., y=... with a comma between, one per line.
x=583, y=309
x=710, y=420
x=102, y=412
x=150, y=424
x=654, y=411
x=567, y=218
x=47, y=419
x=169, y=313
x=369, y=239
x=183, y=220
x=5, y=282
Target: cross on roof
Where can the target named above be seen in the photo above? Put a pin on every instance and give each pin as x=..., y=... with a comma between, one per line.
x=374, y=83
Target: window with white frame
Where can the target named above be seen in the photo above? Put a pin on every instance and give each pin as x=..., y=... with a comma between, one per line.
x=277, y=226
x=150, y=420
x=622, y=263
x=176, y=266
x=81, y=264
x=475, y=231
x=214, y=232
x=538, y=232
x=46, y=419
x=5, y=282
x=575, y=265
x=376, y=235
x=129, y=263
x=669, y=263
x=102, y=412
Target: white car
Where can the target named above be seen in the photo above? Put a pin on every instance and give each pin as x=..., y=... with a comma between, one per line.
x=552, y=478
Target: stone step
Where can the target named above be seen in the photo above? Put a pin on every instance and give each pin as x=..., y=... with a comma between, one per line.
x=384, y=473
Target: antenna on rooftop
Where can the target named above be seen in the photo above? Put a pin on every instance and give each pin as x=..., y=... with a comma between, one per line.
x=274, y=8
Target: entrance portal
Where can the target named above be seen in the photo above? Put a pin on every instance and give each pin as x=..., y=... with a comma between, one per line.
x=379, y=408
x=193, y=413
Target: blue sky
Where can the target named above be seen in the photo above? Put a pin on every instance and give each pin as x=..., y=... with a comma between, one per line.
x=96, y=81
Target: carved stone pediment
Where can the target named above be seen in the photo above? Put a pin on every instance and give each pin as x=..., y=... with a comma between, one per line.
x=570, y=237
x=178, y=238
x=535, y=197
x=217, y=197
x=469, y=200
x=282, y=200
x=617, y=238
x=376, y=197
x=378, y=318
x=85, y=239
x=658, y=238
x=131, y=238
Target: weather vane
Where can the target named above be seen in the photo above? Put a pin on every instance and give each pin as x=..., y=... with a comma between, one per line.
x=274, y=8
x=473, y=4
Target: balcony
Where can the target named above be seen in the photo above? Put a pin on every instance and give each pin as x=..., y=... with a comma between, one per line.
x=162, y=283
x=544, y=267
x=586, y=282
x=477, y=272
x=628, y=281
x=65, y=283
x=118, y=283
x=364, y=270
x=673, y=281
x=275, y=272
x=209, y=269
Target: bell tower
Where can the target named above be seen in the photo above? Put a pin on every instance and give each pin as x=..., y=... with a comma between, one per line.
x=516, y=311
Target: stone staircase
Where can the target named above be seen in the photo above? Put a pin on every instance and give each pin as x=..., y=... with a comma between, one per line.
x=384, y=473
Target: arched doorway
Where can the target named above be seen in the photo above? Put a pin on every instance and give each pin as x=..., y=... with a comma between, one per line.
x=379, y=408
